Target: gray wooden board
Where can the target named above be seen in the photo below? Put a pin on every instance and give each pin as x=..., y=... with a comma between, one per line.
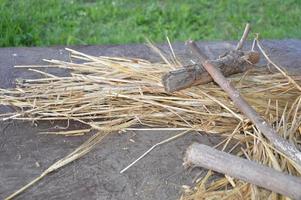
x=24, y=154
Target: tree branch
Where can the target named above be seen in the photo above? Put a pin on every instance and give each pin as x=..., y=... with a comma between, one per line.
x=290, y=150
x=244, y=37
x=232, y=63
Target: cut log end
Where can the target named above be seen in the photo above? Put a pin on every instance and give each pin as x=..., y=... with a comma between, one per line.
x=253, y=57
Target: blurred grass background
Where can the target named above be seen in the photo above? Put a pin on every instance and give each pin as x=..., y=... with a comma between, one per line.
x=76, y=22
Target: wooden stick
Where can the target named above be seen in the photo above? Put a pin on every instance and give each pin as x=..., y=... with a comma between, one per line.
x=243, y=169
x=290, y=150
x=244, y=37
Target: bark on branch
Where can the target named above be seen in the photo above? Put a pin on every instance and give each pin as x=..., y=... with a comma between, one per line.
x=249, y=171
x=233, y=62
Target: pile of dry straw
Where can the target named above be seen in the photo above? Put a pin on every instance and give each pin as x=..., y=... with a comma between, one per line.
x=111, y=94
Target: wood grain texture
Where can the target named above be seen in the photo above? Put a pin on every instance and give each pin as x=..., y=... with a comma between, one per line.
x=96, y=176
x=246, y=170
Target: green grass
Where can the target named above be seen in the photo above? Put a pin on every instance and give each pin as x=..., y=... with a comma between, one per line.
x=67, y=22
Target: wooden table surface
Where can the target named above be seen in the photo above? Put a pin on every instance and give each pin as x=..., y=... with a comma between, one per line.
x=24, y=154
